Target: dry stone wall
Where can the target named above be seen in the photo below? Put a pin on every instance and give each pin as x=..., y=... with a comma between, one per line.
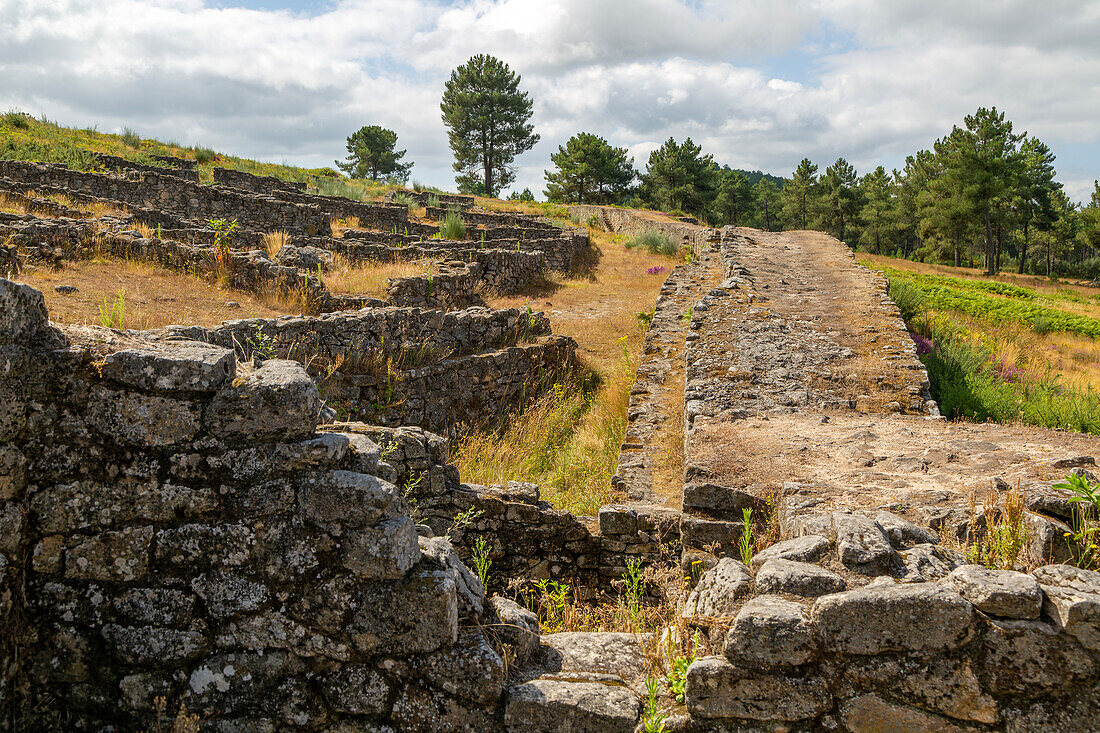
x=113, y=162
x=175, y=196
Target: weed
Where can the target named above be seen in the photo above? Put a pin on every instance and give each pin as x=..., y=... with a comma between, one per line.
x=204, y=155
x=461, y=521
x=908, y=298
x=261, y=344
x=275, y=241
x=452, y=226
x=746, y=543
x=652, y=717
x=633, y=587
x=130, y=138
x=552, y=605
x=482, y=561
x=182, y=722
x=433, y=200
x=677, y=669
x=645, y=318
x=113, y=314
x=16, y=119
x=402, y=198
x=1086, y=519
x=999, y=545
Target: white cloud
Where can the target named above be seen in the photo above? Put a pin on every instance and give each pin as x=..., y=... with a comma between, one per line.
x=759, y=84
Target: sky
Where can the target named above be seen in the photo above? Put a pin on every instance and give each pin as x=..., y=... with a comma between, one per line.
x=760, y=84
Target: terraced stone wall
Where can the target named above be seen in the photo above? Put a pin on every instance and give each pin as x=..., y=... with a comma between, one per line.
x=176, y=196
x=116, y=163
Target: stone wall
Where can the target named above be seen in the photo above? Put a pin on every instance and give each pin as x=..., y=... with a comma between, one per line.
x=174, y=525
x=152, y=217
x=254, y=183
x=628, y=221
x=445, y=200
x=113, y=162
x=176, y=196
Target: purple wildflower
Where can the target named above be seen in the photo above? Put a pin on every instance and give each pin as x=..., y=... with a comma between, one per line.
x=656, y=270
x=924, y=346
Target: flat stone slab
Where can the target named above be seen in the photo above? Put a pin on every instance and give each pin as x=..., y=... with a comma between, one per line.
x=601, y=652
x=186, y=366
x=555, y=706
x=770, y=632
x=1001, y=593
x=807, y=548
x=717, y=689
x=798, y=579
x=893, y=617
x=1072, y=600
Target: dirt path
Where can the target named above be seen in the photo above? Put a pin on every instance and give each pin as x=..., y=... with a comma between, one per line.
x=803, y=380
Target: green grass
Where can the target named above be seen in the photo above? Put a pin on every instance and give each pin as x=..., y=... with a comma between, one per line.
x=26, y=138
x=654, y=242
x=969, y=381
x=994, y=301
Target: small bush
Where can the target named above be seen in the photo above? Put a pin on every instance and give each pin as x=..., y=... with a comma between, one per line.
x=130, y=138
x=433, y=200
x=403, y=198
x=452, y=226
x=1042, y=324
x=654, y=242
x=908, y=298
x=204, y=155
x=17, y=120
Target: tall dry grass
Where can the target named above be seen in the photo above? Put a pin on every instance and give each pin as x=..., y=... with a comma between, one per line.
x=369, y=278
x=275, y=241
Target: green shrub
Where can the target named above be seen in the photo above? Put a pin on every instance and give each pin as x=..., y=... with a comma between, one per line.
x=16, y=119
x=908, y=298
x=655, y=242
x=130, y=138
x=452, y=226
x=1042, y=324
x=433, y=200
x=204, y=155
x=403, y=198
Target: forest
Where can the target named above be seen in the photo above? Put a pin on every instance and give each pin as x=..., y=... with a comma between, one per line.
x=983, y=195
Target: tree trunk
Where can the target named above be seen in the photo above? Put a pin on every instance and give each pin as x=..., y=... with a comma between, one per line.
x=998, y=258
x=1023, y=251
x=958, y=257
x=990, y=251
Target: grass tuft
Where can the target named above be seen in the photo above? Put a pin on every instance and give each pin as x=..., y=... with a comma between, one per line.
x=654, y=242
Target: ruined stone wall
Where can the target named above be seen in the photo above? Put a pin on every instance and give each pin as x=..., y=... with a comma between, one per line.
x=176, y=196
x=254, y=183
x=152, y=217
x=371, y=216
x=627, y=221
x=445, y=200
x=116, y=163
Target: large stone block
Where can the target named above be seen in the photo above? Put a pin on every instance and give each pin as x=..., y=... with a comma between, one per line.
x=151, y=646
x=140, y=419
x=356, y=689
x=797, y=579
x=13, y=472
x=769, y=632
x=339, y=500
x=999, y=592
x=111, y=556
x=602, y=652
x=178, y=366
x=1026, y=658
x=872, y=714
x=1072, y=600
x=470, y=669
x=192, y=546
x=418, y=614
x=278, y=401
x=889, y=617
x=719, y=591
x=553, y=706
x=385, y=550
x=717, y=689
x=861, y=543
x=23, y=318
x=806, y=548
x=84, y=504
x=228, y=594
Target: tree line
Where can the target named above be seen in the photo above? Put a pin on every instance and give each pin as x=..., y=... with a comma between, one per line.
x=982, y=195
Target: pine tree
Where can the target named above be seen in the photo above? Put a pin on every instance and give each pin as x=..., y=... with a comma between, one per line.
x=487, y=123
x=840, y=196
x=988, y=156
x=371, y=154
x=679, y=177
x=799, y=193
x=733, y=202
x=1034, y=200
x=766, y=194
x=589, y=170
x=879, y=210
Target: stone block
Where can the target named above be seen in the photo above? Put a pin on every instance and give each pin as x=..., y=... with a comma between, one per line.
x=720, y=501
x=191, y=546
x=861, y=543
x=553, y=706
x=720, y=590
x=1025, y=658
x=149, y=646
x=416, y=615
x=228, y=594
x=698, y=532
x=470, y=669
x=145, y=420
x=471, y=594
x=155, y=607
x=180, y=366
x=24, y=319
x=902, y=533
x=872, y=714
x=807, y=548
x=879, y=618
x=797, y=579
x=274, y=630
x=121, y=556
x=601, y=652
x=1072, y=601
x=278, y=401
x=341, y=500
x=85, y=504
x=770, y=632
x=999, y=592
x=357, y=690
x=518, y=627
x=716, y=689
x=618, y=520
x=13, y=472
x=385, y=550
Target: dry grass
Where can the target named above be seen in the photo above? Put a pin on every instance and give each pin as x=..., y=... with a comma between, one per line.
x=153, y=296
x=599, y=311
x=369, y=278
x=338, y=226
x=275, y=241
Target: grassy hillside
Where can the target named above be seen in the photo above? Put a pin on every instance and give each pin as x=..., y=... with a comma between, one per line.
x=23, y=137
x=1007, y=349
